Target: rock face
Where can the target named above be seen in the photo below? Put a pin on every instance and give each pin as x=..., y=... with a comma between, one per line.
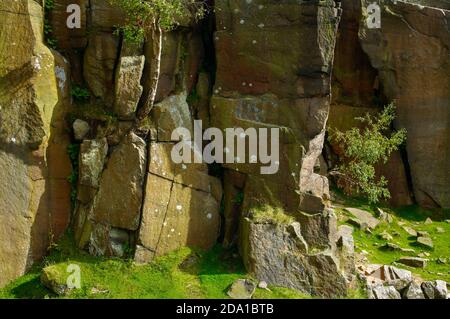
x=34, y=193
x=181, y=207
x=132, y=199
x=356, y=93
x=273, y=70
x=410, y=53
x=268, y=64
x=279, y=255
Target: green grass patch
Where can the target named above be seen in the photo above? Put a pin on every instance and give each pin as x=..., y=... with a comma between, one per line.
x=184, y=274
x=409, y=216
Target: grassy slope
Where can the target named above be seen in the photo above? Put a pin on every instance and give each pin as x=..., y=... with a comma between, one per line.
x=183, y=274
x=196, y=274
x=410, y=216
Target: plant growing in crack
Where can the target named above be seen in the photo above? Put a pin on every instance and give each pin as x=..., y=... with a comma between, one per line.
x=362, y=149
x=148, y=19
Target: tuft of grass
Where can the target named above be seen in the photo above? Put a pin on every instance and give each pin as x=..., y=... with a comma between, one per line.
x=270, y=214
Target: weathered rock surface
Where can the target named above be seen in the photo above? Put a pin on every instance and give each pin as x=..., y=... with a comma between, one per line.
x=279, y=255
x=435, y=289
x=242, y=289
x=99, y=63
x=384, y=292
x=128, y=88
x=413, y=262
x=363, y=218
x=410, y=53
x=34, y=193
x=413, y=291
x=119, y=199
x=273, y=70
x=80, y=129
x=91, y=163
x=181, y=206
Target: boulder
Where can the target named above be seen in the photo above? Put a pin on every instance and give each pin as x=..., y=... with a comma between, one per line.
x=363, y=217
x=413, y=291
x=413, y=262
x=384, y=292
x=54, y=278
x=172, y=113
x=386, y=236
x=385, y=217
x=99, y=64
x=80, y=129
x=277, y=254
x=435, y=289
x=410, y=231
x=424, y=241
x=346, y=248
x=242, y=289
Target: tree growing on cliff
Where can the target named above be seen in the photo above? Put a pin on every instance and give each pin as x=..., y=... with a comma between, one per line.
x=147, y=20
x=362, y=149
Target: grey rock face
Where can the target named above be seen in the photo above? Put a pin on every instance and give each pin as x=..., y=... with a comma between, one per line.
x=413, y=291
x=278, y=255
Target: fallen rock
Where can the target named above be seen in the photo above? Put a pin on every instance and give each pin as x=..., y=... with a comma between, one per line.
x=440, y=230
x=423, y=254
x=436, y=289
x=384, y=292
x=428, y=221
x=385, y=217
x=425, y=241
x=422, y=233
x=242, y=289
x=441, y=260
x=53, y=278
x=278, y=254
x=363, y=217
x=262, y=285
x=386, y=236
x=410, y=231
x=395, y=247
x=80, y=129
x=413, y=262
x=413, y=291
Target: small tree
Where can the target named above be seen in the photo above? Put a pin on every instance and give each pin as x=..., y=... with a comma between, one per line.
x=363, y=149
x=147, y=19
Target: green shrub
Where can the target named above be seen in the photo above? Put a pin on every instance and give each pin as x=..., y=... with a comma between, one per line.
x=363, y=149
x=142, y=14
